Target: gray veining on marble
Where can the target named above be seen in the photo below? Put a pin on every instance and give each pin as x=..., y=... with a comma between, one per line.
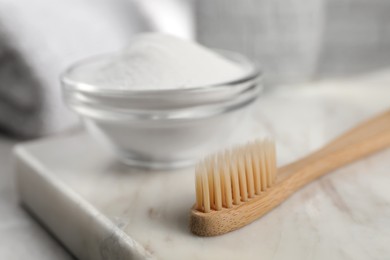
x=344, y=215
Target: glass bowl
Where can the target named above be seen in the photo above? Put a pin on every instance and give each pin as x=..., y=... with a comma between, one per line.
x=75, y=84
x=162, y=128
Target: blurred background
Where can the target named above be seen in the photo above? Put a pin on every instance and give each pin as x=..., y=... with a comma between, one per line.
x=295, y=41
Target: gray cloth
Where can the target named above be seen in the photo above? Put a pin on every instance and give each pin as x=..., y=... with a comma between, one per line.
x=19, y=91
x=38, y=40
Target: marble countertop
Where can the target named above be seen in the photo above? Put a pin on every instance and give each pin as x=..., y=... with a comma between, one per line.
x=110, y=208
x=342, y=216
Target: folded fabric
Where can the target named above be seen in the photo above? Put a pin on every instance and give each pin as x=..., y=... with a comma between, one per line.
x=38, y=40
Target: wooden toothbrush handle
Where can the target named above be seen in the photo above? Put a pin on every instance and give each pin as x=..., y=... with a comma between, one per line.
x=365, y=139
x=361, y=141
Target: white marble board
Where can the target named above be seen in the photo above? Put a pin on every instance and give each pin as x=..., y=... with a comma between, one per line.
x=101, y=209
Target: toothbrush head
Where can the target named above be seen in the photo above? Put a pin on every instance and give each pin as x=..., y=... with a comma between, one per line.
x=234, y=176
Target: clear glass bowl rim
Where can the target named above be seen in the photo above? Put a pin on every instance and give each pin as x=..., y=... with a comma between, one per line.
x=191, y=113
x=67, y=82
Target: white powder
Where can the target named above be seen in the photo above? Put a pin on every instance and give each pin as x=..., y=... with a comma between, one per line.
x=158, y=61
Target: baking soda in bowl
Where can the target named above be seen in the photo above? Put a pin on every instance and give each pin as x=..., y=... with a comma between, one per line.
x=162, y=102
x=158, y=62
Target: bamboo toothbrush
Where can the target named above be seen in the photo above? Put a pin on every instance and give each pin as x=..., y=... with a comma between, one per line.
x=235, y=187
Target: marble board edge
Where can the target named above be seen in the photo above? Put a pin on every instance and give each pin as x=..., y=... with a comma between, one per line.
x=82, y=229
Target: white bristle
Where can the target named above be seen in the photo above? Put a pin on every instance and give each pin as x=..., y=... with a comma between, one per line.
x=235, y=182
x=205, y=190
x=235, y=175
